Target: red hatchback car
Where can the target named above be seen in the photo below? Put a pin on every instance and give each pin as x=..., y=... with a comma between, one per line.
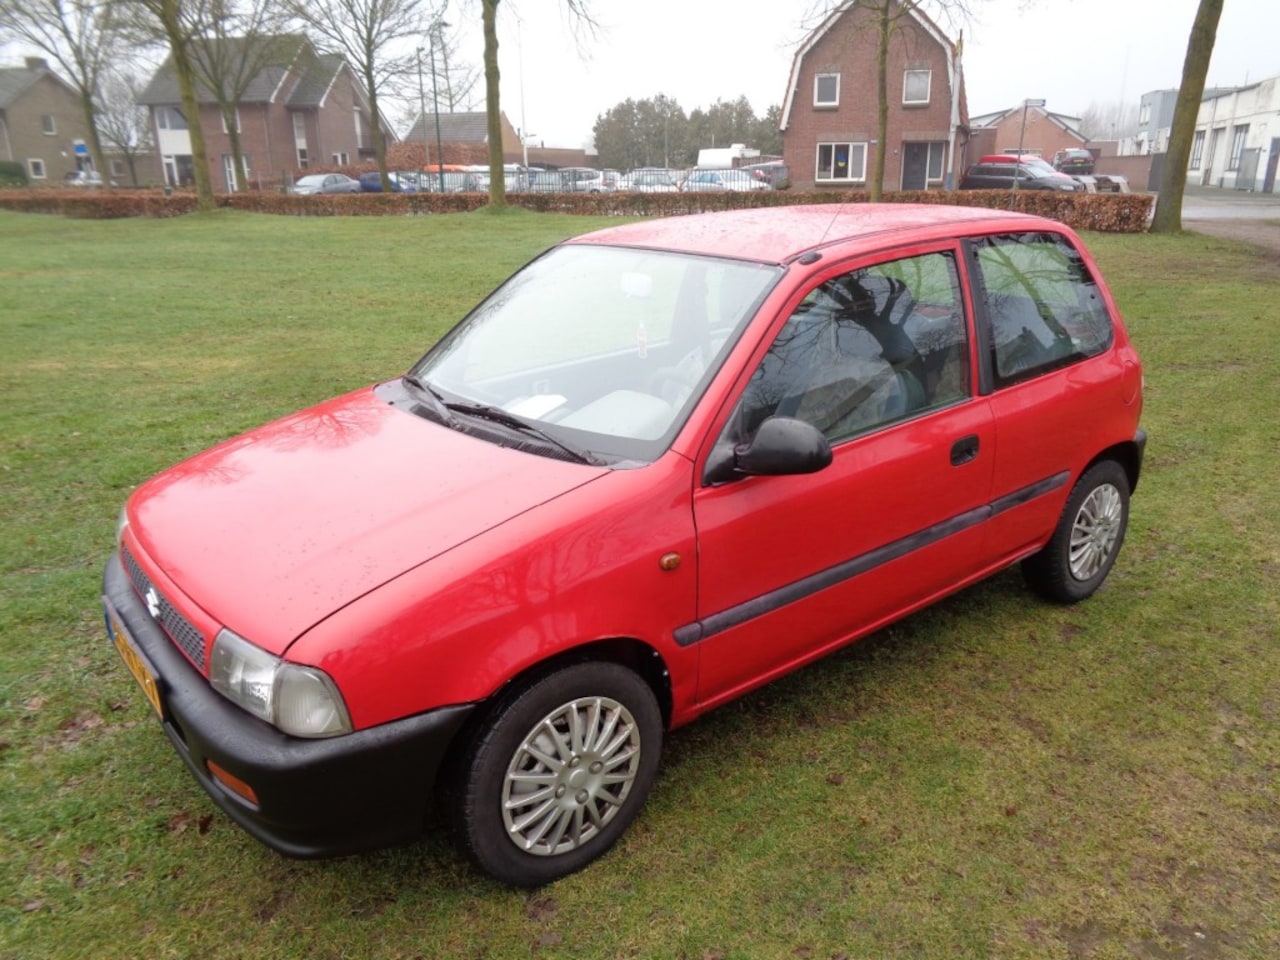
x=663, y=464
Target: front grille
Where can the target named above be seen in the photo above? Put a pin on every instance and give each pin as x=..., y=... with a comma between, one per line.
x=175, y=624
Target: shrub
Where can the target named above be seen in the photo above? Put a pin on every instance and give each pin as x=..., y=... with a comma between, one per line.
x=12, y=174
x=1103, y=212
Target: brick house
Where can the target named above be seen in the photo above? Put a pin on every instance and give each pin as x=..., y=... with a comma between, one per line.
x=829, y=117
x=464, y=136
x=302, y=109
x=1034, y=130
x=41, y=123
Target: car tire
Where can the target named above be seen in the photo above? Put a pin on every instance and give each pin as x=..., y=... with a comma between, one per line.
x=1084, y=546
x=557, y=772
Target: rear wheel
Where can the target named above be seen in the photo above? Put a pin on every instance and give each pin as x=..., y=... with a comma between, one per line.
x=558, y=772
x=1088, y=537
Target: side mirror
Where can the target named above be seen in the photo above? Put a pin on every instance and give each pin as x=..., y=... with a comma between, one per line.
x=782, y=446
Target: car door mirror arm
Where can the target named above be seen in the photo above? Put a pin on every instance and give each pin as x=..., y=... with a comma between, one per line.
x=781, y=446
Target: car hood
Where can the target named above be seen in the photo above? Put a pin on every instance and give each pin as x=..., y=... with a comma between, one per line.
x=272, y=531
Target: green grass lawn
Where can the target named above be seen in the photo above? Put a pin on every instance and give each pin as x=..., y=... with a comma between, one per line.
x=993, y=778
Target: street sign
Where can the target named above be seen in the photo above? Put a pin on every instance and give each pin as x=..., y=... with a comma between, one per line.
x=81, y=149
x=1035, y=103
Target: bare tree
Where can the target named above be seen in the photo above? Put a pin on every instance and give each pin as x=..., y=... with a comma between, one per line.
x=82, y=37
x=1173, y=182
x=122, y=123
x=455, y=79
x=1109, y=121
x=580, y=12
x=232, y=43
x=365, y=32
x=176, y=23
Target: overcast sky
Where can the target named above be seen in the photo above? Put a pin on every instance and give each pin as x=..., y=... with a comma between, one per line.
x=1071, y=53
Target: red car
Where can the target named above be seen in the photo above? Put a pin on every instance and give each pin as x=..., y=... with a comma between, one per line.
x=660, y=466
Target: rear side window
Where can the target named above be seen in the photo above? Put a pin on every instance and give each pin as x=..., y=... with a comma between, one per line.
x=1043, y=307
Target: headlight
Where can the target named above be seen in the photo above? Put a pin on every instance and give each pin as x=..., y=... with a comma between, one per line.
x=300, y=701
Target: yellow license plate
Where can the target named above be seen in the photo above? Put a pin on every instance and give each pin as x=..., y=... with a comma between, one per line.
x=136, y=663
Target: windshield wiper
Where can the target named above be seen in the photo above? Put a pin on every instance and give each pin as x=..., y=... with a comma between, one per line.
x=434, y=400
x=508, y=419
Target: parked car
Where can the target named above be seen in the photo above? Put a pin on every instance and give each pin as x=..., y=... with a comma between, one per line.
x=1073, y=162
x=582, y=180
x=326, y=183
x=711, y=180
x=84, y=178
x=590, y=514
x=1003, y=172
x=650, y=180
x=773, y=172
x=405, y=181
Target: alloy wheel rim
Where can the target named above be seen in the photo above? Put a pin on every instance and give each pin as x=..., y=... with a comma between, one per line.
x=570, y=776
x=1095, y=531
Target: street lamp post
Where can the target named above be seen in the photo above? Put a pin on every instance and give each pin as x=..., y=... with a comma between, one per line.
x=422, y=110
x=435, y=99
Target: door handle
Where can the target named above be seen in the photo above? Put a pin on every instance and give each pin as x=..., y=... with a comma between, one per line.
x=964, y=450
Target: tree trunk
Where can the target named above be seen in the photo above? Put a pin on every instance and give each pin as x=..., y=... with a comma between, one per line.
x=182, y=67
x=95, y=141
x=1173, y=182
x=493, y=110
x=882, y=101
x=375, y=127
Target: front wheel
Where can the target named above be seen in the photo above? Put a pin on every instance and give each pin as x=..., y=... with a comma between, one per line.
x=1084, y=546
x=558, y=772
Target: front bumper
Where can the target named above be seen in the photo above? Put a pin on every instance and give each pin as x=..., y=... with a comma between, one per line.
x=315, y=798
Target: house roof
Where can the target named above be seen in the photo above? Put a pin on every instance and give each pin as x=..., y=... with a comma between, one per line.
x=833, y=18
x=15, y=81
x=469, y=127
x=279, y=54
x=1068, y=123
x=316, y=80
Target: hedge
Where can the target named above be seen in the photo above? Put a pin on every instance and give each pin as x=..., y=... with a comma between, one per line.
x=1108, y=213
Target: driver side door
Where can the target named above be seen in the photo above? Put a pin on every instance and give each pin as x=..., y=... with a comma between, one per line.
x=879, y=359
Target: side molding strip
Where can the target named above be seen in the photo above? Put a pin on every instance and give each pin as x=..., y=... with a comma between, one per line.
x=700, y=630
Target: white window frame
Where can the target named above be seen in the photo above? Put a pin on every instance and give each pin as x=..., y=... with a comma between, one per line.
x=117, y=167
x=162, y=119
x=1239, y=137
x=825, y=104
x=928, y=85
x=48, y=124
x=852, y=147
x=224, y=120
x=342, y=159
x=1197, y=150
x=36, y=169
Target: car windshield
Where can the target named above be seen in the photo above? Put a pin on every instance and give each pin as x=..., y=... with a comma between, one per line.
x=604, y=348
x=1041, y=168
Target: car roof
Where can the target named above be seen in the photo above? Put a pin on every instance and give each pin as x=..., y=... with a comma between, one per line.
x=781, y=234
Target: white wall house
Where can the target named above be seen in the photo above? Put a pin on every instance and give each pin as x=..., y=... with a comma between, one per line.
x=1237, y=139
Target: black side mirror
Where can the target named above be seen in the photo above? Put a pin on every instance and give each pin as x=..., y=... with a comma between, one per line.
x=782, y=446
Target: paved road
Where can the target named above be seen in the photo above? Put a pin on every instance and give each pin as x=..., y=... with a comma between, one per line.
x=1210, y=203
x=1234, y=214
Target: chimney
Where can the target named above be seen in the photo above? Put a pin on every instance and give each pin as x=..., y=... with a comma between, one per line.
x=37, y=63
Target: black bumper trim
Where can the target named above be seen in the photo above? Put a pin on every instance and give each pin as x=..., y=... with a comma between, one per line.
x=316, y=798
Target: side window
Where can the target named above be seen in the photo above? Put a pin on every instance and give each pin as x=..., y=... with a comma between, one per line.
x=1043, y=306
x=865, y=349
